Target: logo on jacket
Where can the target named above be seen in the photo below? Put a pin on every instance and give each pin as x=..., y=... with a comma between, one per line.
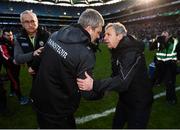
x=57, y=48
x=22, y=38
x=41, y=43
x=24, y=44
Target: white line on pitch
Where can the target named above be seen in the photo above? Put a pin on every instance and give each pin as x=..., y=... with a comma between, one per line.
x=81, y=120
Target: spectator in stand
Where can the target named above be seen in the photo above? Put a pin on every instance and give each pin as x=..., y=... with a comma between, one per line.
x=7, y=51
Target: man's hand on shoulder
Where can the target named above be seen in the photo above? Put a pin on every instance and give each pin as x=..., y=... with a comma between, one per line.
x=31, y=71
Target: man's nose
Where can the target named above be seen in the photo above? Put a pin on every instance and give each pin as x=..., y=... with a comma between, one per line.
x=30, y=24
x=104, y=38
x=98, y=36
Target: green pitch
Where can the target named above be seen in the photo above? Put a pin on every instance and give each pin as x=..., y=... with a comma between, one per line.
x=162, y=116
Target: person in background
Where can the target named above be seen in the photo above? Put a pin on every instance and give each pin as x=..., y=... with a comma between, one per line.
x=30, y=42
x=68, y=53
x=3, y=99
x=1, y=57
x=7, y=51
x=3, y=75
x=167, y=55
x=129, y=78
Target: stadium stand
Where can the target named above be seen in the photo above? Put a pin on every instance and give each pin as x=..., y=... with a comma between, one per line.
x=129, y=12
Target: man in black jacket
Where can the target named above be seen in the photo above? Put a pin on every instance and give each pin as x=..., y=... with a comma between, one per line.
x=67, y=55
x=30, y=42
x=129, y=78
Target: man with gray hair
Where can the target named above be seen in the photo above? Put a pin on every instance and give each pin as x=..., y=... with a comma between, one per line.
x=129, y=78
x=30, y=43
x=67, y=55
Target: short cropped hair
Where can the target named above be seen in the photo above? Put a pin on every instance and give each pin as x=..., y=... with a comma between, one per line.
x=27, y=12
x=6, y=30
x=91, y=17
x=118, y=27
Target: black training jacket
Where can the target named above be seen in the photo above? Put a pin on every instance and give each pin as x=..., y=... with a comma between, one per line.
x=130, y=77
x=67, y=55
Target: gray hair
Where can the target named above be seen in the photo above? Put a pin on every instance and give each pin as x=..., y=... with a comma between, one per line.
x=91, y=17
x=27, y=12
x=118, y=27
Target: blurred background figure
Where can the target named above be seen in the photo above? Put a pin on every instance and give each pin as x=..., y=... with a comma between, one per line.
x=7, y=52
x=166, y=59
x=3, y=99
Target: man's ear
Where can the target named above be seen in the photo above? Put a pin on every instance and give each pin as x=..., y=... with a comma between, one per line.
x=120, y=36
x=22, y=25
x=89, y=29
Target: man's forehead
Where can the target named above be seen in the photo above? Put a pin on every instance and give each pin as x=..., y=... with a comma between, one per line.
x=165, y=33
x=109, y=29
x=99, y=28
x=7, y=33
x=29, y=16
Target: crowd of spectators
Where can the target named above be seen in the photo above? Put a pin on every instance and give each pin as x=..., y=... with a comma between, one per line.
x=147, y=30
x=143, y=30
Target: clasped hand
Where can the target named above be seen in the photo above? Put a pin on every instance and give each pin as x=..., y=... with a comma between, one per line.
x=85, y=84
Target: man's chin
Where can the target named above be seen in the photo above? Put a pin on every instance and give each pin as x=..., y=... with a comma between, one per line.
x=108, y=46
x=31, y=31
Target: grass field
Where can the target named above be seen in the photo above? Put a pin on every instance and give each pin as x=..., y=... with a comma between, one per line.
x=162, y=116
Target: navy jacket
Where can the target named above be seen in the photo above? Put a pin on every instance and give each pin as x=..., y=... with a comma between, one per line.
x=24, y=49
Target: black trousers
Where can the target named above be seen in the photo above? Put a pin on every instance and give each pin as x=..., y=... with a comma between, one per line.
x=50, y=122
x=135, y=118
x=3, y=99
x=167, y=72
